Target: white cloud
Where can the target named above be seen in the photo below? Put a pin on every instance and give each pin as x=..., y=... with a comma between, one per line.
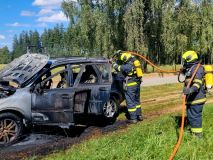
x=47, y=2
x=56, y=17
x=17, y=24
x=52, y=3
x=45, y=11
x=50, y=12
x=2, y=37
x=27, y=13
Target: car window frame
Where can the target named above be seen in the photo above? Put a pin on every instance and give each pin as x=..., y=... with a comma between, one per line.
x=72, y=82
x=78, y=78
x=61, y=71
x=100, y=73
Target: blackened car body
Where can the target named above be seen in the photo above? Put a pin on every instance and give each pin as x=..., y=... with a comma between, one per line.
x=60, y=92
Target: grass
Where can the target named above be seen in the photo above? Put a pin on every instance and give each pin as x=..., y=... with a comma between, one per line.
x=151, y=139
x=148, y=140
x=2, y=66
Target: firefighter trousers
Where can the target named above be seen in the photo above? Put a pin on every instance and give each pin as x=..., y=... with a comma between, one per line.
x=132, y=96
x=194, y=115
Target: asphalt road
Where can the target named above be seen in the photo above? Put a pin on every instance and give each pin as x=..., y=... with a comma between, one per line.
x=159, y=79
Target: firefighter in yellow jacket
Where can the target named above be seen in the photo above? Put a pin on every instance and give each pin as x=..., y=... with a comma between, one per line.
x=131, y=69
x=195, y=94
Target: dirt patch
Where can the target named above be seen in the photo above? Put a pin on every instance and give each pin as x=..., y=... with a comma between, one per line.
x=158, y=74
x=154, y=114
x=161, y=99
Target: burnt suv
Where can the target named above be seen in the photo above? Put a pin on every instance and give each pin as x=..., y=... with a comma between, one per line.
x=60, y=92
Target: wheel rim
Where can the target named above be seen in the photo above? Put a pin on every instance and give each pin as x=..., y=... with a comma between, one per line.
x=8, y=131
x=109, y=109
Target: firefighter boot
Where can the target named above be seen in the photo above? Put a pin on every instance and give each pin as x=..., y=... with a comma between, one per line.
x=197, y=135
x=140, y=118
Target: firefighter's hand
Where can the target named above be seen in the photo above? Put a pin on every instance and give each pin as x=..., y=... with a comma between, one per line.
x=111, y=60
x=141, y=79
x=114, y=64
x=118, y=52
x=187, y=91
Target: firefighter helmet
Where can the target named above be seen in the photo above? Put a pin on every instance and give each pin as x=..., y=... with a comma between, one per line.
x=125, y=56
x=190, y=56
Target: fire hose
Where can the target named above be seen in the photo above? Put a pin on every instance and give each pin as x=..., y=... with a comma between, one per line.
x=183, y=98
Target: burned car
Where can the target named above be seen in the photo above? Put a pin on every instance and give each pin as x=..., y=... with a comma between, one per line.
x=35, y=90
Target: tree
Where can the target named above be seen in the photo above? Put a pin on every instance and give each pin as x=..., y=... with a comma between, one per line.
x=169, y=31
x=134, y=21
x=5, y=55
x=205, y=30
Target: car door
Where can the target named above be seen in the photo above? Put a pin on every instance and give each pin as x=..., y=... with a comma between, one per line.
x=52, y=98
x=97, y=80
x=104, y=86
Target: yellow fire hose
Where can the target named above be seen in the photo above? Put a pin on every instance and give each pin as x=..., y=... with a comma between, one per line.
x=183, y=97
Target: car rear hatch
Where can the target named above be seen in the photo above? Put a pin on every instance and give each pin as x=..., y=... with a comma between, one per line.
x=23, y=68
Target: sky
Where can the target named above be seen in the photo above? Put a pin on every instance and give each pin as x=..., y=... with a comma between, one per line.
x=24, y=15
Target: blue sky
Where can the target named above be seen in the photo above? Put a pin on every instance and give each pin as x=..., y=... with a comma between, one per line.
x=19, y=15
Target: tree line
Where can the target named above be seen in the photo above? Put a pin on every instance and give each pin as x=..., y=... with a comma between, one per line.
x=159, y=29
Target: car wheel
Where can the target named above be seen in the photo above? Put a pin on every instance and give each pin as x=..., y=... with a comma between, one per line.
x=11, y=128
x=110, y=110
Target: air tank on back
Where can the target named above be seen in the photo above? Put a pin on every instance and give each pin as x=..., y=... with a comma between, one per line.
x=208, y=76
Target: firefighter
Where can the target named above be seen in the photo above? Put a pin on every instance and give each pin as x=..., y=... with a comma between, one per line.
x=131, y=69
x=195, y=94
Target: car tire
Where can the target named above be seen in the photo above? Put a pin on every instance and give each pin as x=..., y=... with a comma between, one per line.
x=110, y=110
x=11, y=128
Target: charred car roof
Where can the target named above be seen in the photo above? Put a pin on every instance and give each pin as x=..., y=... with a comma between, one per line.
x=61, y=61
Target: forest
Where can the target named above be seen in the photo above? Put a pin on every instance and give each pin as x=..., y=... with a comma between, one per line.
x=159, y=29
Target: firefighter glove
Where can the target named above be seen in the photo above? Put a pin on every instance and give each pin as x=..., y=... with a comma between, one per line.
x=187, y=91
x=118, y=52
x=114, y=64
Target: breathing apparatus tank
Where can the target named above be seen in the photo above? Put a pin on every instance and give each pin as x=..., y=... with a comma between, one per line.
x=208, y=76
x=138, y=69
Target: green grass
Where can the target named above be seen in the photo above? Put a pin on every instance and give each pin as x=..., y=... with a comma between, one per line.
x=2, y=66
x=148, y=140
x=160, y=90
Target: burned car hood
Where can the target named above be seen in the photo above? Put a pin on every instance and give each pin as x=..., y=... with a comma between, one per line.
x=23, y=68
